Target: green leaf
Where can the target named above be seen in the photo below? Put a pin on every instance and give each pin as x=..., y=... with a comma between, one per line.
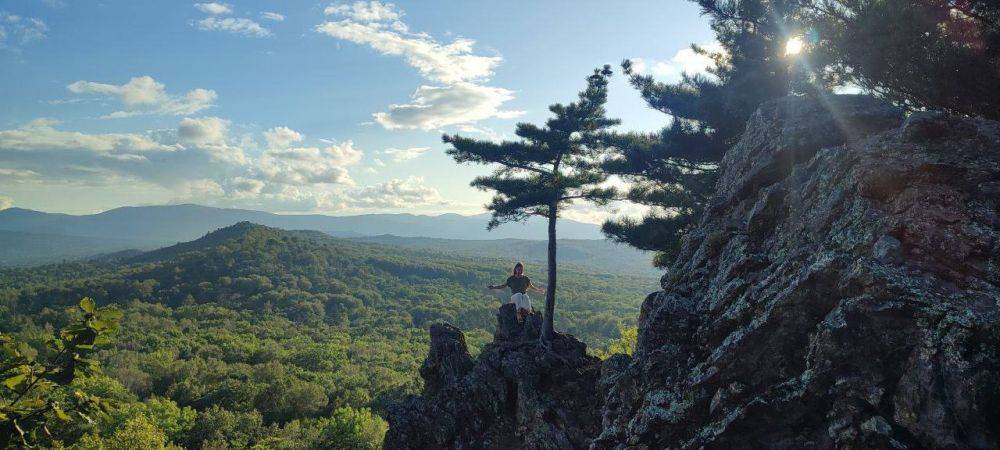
x=60, y=414
x=87, y=305
x=111, y=314
x=14, y=381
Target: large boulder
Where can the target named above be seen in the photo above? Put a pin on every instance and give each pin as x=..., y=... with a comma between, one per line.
x=841, y=291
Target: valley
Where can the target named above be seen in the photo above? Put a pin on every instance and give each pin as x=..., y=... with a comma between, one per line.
x=251, y=332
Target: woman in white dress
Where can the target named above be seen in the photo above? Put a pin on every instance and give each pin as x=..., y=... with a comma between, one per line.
x=519, y=286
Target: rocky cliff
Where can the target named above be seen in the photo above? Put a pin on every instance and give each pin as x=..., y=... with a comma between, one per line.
x=841, y=291
x=515, y=395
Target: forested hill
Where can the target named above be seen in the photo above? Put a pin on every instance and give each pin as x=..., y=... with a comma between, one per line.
x=254, y=333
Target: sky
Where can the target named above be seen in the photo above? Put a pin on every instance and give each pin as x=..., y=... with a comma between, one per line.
x=302, y=106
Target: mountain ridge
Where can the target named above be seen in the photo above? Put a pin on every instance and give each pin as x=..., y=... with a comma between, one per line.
x=198, y=219
x=150, y=227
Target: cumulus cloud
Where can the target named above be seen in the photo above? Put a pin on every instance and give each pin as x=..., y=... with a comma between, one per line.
x=281, y=137
x=273, y=16
x=405, y=154
x=17, y=31
x=461, y=98
x=396, y=193
x=246, y=27
x=40, y=134
x=199, y=160
x=309, y=165
x=685, y=61
x=144, y=95
x=40, y=151
x=247, y=186
x=203, y=131
x=214, y=8
x=433, y=107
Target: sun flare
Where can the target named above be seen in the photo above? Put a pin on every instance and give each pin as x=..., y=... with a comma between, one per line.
x=794, y=46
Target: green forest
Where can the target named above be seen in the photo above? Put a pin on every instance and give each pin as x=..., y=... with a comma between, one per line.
x=255, y=337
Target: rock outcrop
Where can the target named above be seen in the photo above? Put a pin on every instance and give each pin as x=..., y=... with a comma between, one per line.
x=842, y=290
x=515, y=395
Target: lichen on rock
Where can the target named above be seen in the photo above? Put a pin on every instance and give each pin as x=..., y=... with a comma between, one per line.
x=842, y=291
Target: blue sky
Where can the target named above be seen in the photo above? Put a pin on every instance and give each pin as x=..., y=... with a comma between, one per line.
x=296, y=107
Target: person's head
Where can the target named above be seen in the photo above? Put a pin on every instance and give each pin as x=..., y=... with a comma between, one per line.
x=518, y=269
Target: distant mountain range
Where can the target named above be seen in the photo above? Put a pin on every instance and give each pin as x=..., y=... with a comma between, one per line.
x=598, y=256
x=34, y=237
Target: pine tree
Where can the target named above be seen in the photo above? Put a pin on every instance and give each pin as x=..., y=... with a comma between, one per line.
x=546, y=169
x=937, y=54
x=674, y=171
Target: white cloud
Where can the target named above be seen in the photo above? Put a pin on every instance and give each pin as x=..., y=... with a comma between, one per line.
x=446, y=63
x=309, y=165
x=199, y=189
x=144, y=95
x=281, y=137
x=397, y=193
x=247, y=186
x=461, y=99
x=17, y=174
x=345, y=153
x=684, y=61
x=201, y=161
x=372, y=11
x=45, y=153
x=6, y=202
x=486, y=132
x=39, y=135
x=405, y=154
x=214, y=8
x=203, y=131
x=273, y=16
x=233, y=25
x=16, y=31
x=433, y=107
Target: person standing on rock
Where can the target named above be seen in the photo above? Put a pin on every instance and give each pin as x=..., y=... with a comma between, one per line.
x=519, y=286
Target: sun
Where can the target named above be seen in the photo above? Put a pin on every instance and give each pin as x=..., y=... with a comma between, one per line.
x=794, y=46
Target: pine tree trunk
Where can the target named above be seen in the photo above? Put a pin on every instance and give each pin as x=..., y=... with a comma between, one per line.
x=548, y=330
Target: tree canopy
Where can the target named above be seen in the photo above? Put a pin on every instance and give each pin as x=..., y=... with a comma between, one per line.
x=673, y=172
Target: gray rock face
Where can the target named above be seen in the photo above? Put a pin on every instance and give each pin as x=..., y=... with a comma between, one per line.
x=842, y=291
x=515, y=395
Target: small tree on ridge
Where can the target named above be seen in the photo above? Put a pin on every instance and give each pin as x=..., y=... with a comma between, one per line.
x=547, y=168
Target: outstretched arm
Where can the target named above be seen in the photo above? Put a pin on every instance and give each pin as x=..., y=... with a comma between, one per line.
x=532, y=287
x=499, y=286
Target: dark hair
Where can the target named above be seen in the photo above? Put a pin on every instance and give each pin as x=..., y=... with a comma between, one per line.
x=515, y=268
